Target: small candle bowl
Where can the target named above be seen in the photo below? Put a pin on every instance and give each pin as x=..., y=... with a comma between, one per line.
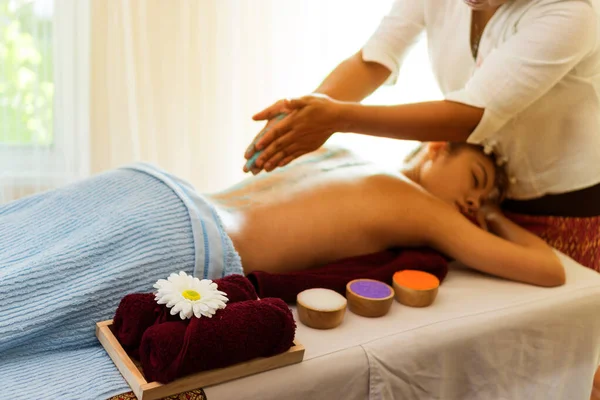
x=369, y=298
x=321, y=308
x=415, y=288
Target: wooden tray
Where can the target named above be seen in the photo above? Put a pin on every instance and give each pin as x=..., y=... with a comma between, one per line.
x=132, y=371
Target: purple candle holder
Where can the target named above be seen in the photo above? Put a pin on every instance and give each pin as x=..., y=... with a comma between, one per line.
x=370, y=289
x=369, y=298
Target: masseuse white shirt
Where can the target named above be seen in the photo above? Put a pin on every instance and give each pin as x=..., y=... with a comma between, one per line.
x=537, y=75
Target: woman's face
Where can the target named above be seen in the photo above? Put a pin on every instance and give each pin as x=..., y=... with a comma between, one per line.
x=484, y=4
x=463, y=179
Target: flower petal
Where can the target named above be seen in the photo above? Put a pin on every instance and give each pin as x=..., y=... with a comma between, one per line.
x=160, y=283
x=186, y=309
x=206, y=313
x=220, y=304
x=172, y=301
x=212, y=304
x=177, y=308
x=222, y=298
x=197, y=310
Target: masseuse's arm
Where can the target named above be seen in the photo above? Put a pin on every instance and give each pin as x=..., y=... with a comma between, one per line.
x=361, y=74
x=509, y=251
x=443, y=121
x=354, y=79
x=315, y=119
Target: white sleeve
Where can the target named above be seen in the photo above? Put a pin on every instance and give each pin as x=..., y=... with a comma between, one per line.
x=397, y=32
x=549, y=42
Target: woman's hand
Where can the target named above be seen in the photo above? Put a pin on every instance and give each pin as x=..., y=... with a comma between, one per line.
x=308, y=123
x=252, y=153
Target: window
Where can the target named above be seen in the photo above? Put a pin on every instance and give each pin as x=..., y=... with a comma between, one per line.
x=44, y=72
x=28, y=86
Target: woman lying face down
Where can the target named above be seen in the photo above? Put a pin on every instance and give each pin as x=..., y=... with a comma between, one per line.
x=119, y=231
x=316, y=212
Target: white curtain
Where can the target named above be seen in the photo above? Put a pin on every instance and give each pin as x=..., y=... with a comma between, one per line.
x=176, y=82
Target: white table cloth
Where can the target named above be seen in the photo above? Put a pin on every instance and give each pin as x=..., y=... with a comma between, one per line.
x=483, y=338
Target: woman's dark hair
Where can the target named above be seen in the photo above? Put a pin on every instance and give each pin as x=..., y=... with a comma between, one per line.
x=501, y=179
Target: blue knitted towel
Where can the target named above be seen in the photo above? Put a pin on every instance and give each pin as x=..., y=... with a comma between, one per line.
x=68, y=256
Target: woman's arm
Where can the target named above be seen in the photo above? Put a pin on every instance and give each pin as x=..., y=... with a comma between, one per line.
x=514, y=254
x=429, y=121
x=354, y=79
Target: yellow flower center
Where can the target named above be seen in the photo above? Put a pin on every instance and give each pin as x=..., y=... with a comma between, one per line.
x=191, y=295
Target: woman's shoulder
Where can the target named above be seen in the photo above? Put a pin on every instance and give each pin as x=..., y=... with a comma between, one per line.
x=402, y=194
x=403, y=212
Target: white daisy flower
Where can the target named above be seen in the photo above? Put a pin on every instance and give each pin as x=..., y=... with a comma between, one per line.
x=189, y=296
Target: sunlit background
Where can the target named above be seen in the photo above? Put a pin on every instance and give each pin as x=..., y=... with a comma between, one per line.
x=88, y=85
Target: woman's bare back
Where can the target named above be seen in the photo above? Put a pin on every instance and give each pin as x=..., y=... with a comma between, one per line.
x=320, y=209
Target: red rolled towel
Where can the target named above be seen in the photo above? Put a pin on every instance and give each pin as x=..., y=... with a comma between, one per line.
x=138, y=311
x=336, y=275
x=239, y=332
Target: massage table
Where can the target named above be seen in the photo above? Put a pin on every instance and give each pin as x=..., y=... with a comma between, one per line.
x=483, y=338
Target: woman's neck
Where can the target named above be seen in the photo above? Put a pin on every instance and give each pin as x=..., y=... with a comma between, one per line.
x=412, y=171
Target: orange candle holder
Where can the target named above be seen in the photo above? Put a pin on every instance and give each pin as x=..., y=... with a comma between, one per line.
x=415, y=288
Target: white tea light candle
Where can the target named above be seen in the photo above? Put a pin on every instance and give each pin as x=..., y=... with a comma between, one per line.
x=321, y=308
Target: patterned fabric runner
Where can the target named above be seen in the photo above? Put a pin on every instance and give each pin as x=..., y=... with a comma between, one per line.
x=197, y=394
x=578, y=238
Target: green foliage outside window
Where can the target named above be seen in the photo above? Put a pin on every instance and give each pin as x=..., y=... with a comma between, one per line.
x=26, y=75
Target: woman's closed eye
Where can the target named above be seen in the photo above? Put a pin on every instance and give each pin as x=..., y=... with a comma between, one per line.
x=475, y=180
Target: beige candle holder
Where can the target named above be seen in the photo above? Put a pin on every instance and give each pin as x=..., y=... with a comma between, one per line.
x=321, y=308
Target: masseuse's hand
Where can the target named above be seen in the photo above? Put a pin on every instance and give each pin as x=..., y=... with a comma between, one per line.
x=309, y=122
x=252, y=152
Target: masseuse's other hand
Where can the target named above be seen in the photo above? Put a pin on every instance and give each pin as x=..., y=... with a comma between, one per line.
x=310, y=121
